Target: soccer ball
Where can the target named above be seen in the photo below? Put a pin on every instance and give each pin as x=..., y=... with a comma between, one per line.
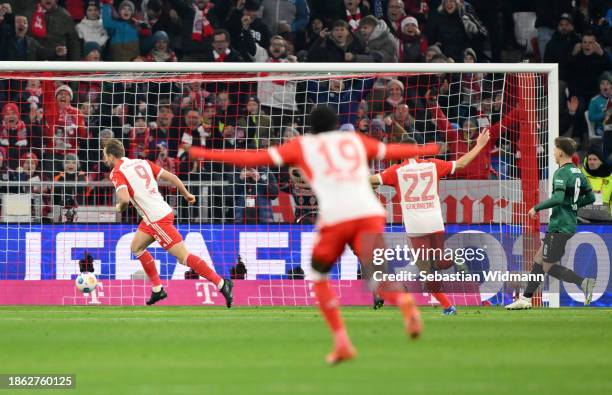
x=86, y=282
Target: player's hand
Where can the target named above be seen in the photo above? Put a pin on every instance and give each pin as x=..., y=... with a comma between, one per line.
x=118, y=208
x=190, y=199
x=532, y=213
x=483, y=138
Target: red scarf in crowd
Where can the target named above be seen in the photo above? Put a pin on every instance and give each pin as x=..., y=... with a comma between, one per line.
x=18, y=132
x=201, y=25
x=353, y=20
x=220, y=57
x=39, y=26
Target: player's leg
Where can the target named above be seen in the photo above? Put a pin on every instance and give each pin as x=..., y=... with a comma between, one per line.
x=328, y=247
x=551, y=265
x=435, y=288
x=182, y=254
x=434, y=242
x=139, y=245
x=524, y=301
x=367, y=238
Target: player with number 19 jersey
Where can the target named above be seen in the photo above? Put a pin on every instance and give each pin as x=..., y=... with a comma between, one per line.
x=336, y=165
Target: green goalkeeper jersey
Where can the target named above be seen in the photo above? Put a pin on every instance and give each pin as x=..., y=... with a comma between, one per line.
x=571, y=190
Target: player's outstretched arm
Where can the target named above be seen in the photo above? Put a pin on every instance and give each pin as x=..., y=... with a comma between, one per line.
x=172, y=179
x=251, y=158
x=402, y=151
x=481, y=142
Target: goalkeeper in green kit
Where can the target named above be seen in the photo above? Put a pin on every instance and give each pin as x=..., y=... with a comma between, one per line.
x=571, y=190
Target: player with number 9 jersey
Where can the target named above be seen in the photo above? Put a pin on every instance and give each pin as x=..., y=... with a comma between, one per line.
x=140, y=178
x=135, y=181
x=336, y=165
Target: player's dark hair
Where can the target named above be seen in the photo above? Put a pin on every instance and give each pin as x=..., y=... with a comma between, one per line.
x=322, y=119
x=567, y=145
x=115, y=148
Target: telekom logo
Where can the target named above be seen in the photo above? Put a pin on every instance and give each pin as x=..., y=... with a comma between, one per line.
x=207, y=291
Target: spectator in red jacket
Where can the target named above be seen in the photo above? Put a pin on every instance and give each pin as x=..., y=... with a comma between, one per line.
x=13, y=134
x=65, y=129
x=460, y=141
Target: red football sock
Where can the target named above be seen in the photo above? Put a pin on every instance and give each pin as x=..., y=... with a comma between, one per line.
x=148, y=264
x=328, y=304
x=203, y=269
x=435, y=288
x=443, y=299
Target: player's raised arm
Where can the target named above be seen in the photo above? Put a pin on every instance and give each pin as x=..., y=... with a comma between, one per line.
x=481, y=142
x=402, y=151
x=176, y=182
x=379, y=150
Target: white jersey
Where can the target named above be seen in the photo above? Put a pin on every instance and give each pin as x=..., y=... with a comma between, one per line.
x=336, y=165
x=140, y=178
x=416, y=181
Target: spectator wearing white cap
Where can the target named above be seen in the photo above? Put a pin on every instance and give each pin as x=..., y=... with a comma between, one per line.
x=412, y=45
x=65, y=130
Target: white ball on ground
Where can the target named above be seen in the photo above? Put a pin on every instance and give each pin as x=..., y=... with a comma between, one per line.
x=86, y=282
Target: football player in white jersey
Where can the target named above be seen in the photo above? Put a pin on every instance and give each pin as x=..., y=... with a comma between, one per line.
x=416, y=182
x=336, y=165
x=135, y=181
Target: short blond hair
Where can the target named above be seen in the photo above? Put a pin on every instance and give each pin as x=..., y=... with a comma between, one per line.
x=115, y=148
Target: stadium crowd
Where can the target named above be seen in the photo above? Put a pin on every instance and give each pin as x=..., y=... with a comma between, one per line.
x=54, y=130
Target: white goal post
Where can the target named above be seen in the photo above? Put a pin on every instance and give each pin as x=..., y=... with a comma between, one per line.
x=541, y=111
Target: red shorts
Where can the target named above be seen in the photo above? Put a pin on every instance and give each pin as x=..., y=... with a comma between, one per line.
x=359, y=234
x=432, y=241
x=163, y=231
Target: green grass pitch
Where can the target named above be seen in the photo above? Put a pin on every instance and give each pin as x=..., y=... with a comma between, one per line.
x=203, y=350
